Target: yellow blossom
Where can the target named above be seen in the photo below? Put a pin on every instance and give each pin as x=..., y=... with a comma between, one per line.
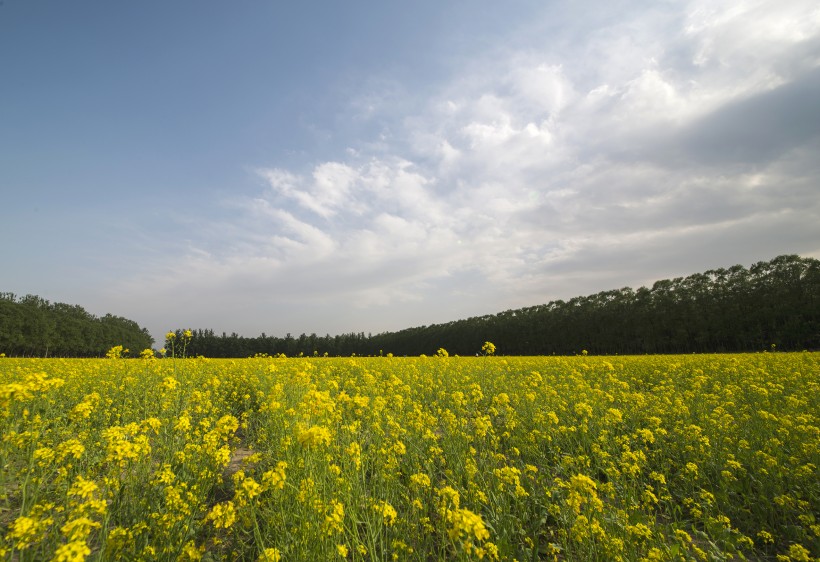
x=387, y=511
x=223, y=515
x=74, y=551
x=270, y=555
x=275, y=479
x=334, y=520
x=313, y=436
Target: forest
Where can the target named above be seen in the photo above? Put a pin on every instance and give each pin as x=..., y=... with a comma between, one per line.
x=770, y=305
x=31, y=326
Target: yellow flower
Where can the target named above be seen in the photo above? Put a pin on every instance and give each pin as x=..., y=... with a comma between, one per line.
x=117, y=538
x=71, y=448
x=82, y=411
x=183, y=424
x=766, y=537
x=223, y=515
x=399, y=448
x=122, y=447
x=798, y=553
x=583, y=491
x=27, y=530
x=192, y=552
x=116, y=352
x=354, y=451
x=23, y=528
x=44, y=456
x=270, y=555
x=154, y=424
x=342, y=550
x=247, y=488
x=334, y=521
x=449, y=497
x=275, y=479
x=74, y=551
x=465, y=528
x=420, y=480
x=83, y=488
x=683, y=536
x=316, y=435
x=639, y=531
x=465, y=522
x=654, y=555
x=387, y=511
x=79, y=529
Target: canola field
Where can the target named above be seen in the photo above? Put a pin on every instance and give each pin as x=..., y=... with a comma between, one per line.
x=707, y=457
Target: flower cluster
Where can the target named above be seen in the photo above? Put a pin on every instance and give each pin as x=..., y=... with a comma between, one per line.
x=439, y=458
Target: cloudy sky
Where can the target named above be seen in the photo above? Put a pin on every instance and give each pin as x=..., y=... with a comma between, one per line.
x=366, y=166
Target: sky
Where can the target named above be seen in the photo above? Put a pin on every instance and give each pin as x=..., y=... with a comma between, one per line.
x=362, y=166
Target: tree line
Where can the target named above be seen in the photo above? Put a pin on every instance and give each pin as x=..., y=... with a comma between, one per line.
x=774, y=304
x=32, y=326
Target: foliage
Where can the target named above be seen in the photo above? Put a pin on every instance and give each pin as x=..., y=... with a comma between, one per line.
x=722, y=310
x=696, y=457
x=32, y=326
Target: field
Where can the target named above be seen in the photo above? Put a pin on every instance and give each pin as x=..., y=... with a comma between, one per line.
x=701, y=457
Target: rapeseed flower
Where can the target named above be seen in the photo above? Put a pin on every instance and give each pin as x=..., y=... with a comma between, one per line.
x=25, y=531
x=223, y=515
x=74, y=551
x=334, y=520
x=465, y=523
x=314, y=436
x=387, y=511
x=79, y=529
x=275, y=479
x=420, y=480
x=270, y=555
x=601, y=445
x=799, y=553
x=83, y=488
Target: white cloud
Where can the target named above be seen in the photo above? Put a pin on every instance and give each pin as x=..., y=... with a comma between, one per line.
x=543, y=173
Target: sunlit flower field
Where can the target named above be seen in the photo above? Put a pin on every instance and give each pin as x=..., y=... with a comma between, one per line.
x=707, y=457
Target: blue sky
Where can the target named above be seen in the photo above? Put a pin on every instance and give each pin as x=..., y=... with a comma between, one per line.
x=340, y=167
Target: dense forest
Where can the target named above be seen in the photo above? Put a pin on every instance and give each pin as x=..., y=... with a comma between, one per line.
x=774, y=303
x=32, y=326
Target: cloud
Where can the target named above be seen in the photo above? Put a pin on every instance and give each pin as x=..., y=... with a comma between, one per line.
x=659, y=145
x=754, y=130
